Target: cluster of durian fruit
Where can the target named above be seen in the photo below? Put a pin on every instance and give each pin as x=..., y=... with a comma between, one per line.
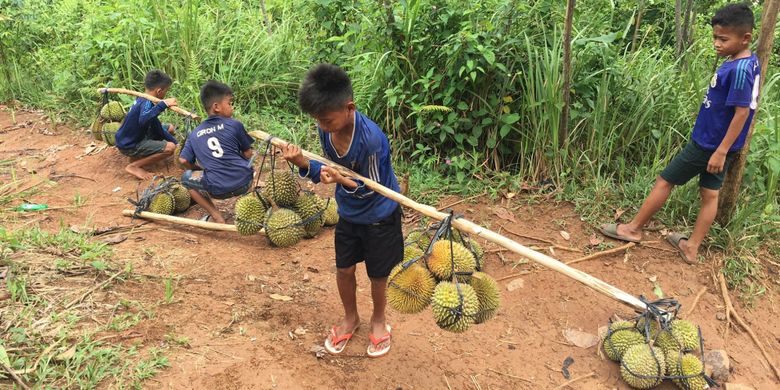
x=445, y=275
x=649, y=353
x=296, y=215
x=111, y=116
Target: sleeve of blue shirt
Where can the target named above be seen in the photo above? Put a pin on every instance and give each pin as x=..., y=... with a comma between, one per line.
x=369, y=159
x=245, y=141
x=187, y=152
x=149, y=112
x=313, y=172
x=741, y=88
x=168, y=136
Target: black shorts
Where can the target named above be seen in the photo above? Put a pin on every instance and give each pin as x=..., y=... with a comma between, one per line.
x=692, y=161
x=380, y=245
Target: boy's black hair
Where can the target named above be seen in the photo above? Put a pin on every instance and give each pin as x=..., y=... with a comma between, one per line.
x=212, y=92
x=325, y=88
x=735, y=15
x=157, y=79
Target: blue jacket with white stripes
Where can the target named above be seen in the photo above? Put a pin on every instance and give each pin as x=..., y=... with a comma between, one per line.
x=369, y=156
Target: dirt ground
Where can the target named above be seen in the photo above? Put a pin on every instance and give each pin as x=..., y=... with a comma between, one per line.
x=239, y=337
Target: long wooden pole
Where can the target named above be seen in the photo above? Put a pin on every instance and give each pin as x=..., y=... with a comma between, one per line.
x=221, y=227
x=474, y=229
x=149, y=98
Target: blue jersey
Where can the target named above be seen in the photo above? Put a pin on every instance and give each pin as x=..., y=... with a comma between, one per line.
x=734, y=84
x=141, y=122
x=218, y=144
x=369, y=156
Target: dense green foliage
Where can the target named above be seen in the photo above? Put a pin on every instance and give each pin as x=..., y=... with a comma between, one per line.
x=464, y=88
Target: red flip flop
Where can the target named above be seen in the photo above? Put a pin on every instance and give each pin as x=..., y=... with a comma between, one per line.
x=375, y=341
x=333, y=341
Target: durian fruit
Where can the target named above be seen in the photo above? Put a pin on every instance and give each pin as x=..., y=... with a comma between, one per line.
x=409, y=289
x=643, y=366
x=412, y=252
x=331, y=212
x=250, y=212
x=681, y=335
x=654, y=327
x=109, y=132
x=419, y=238
x=181, y=198
x=97, y=129
x=283, y=227
x=477, y=251
x=454, y=311
x=281, y=187
x=441, y=259
x=161, y=203
x=621, y=336
x=679, y=364
x=112, y=112
x=311, y=208
x=489, y=298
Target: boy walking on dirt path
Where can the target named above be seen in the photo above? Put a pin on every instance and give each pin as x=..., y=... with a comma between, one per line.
x=222, y=149
x=369, y=227
x=141, y=134
x=719, y=133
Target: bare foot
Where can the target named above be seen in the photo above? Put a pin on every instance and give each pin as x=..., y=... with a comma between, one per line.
x=138, y=172
x=627, y=231
x=691, y=255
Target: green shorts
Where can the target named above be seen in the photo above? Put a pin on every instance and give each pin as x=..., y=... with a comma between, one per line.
x=692, y=161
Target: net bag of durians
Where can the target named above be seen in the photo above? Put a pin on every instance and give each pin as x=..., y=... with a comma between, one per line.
x=657, y=346
x=440, y=270
x=164, y=196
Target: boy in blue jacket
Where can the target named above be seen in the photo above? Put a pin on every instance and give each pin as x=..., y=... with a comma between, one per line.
x=222, y=149
x=369, y=227
x=141, y=134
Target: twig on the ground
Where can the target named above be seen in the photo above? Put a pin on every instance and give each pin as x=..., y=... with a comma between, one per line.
x=447, y=382
x=93, y=289
x=510, y=375
x=575, y=379
x=461, y=201
x=546, y=241
x=513, y=275
x=695, y=301
x=603, y=253
x=71, y=175
x=15, y=377
x=731, y=311
x=644, y=244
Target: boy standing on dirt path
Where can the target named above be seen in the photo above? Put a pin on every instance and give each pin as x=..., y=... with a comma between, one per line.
x=719, y=133
x=369, y=227
x=141, y=134
x=222, y=149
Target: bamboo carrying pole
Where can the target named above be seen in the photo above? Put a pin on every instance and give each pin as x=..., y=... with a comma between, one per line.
x=472, y=228
x=150, y=98
x=221, y=227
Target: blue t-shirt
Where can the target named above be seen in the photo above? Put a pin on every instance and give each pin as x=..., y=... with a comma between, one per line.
x=141, y=122
x=734, y=84
x=369, y=156
x=218, y=144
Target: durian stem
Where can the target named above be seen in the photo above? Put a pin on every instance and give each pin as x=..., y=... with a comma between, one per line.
x=471, y=228
x=184, y=221
x=730, y=309
x=149, y=98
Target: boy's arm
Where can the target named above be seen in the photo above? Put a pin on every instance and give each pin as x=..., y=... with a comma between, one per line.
x=187, y=156
x=244, y=141
x=718, y=158
x=150, y=111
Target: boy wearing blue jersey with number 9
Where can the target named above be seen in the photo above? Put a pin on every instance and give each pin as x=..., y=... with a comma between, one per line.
x=369, y=226
x=222, y=149
x=719, y=133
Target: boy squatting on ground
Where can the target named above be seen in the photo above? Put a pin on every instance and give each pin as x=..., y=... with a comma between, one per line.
x=369, y=227
x=141, y=134
x=719, y=133
x=222, y=149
